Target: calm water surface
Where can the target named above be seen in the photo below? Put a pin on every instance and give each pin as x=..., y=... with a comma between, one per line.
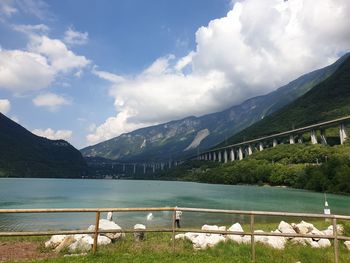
x=67, y=193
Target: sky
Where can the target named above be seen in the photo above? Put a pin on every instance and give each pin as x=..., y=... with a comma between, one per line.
x=89, y=70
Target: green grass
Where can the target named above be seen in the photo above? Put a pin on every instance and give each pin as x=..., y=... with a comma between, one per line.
x=157, y=247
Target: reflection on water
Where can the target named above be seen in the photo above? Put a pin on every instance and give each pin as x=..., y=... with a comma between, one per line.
x=65, y=193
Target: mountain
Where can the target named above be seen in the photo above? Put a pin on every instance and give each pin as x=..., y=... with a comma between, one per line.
x=328, y=100
x=182, y=138
x=23, y=154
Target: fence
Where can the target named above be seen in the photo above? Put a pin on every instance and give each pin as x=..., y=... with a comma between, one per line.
x=174, y=230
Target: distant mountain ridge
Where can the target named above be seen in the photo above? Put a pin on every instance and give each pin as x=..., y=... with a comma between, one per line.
x=328, y=100
x=181, y=138
x=23, y=154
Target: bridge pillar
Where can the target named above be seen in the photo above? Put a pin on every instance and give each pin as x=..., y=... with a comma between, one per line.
x=154, y=168
x=144, y=168
x=274, y=143
x=250, y=150
x=323, y=137
x=225, y=156
x=169, y=164
x=232, y=155
x=214, y=156
x=240, y=153
x=261, y=146
x=219, y=157
x=134, y=168
x=123, y=167
x=209, y=156
x=343, y=133
x=291, y=139
x=313, y=137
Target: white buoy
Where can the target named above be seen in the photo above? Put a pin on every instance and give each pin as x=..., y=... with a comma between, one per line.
x=150, y=217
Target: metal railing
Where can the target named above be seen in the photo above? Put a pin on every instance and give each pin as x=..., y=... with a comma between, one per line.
x=252, y=214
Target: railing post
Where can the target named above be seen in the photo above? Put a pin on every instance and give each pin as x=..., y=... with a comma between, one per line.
x=174, y=217
x=335, y=234
x=97, y=225
x=252, y=239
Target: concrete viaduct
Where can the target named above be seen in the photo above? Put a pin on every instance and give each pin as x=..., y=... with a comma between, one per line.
x=239, y=150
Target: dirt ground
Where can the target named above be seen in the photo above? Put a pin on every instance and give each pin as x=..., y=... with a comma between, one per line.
x=22, y=251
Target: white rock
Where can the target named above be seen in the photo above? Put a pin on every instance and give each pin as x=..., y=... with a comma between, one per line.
x=340, y=229
x=347, y=244
x=222, y=228
x=303, y=227
x=79, y=236
x=314, y=244
x=102, y=240
x=210, y=227
x=236, y=228
x=54, y=241
x=315, y=231
x=200, y=242
x=104, y=224
x=214, y=239
x=286, y=228
x=301, y=241
x=276, y=242
x=328, y=232
x=246, y=239
x=139, y=226
x=180, y=236
x=323, y=242
x=80, y=245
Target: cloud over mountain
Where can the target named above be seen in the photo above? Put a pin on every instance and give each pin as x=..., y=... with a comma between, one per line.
x=257, y=47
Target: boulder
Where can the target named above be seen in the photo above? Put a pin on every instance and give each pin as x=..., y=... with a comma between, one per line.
x=301, y=241
x=286, y=228
x=54, y=241
x=276, y=242
x=66, y=242
x=236, y=228
x=315, y=231
x=102, y=240
x=347, y=244
x=328, y=232
x=323, y=242
x=214, y=239
x=340, y=229
x=314, y=244
x=105, y=224
x=246, y=240
x=303, y=228
x=180, y=236
x=222, y=228
x=139, y=235
x=80, y=245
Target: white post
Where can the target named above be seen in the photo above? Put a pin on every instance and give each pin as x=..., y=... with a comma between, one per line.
x=232, y=155
x=219, y=157
x=313, y=137
x=261, y=146
x=240, y=153
x=225, y=156
x=274, y=143
x=154, y=168
x=209, y=157
x=144, y=168
x=134, y=168
x=343, y=133
x=323, y=137
x=291, y=139
x=214, y=156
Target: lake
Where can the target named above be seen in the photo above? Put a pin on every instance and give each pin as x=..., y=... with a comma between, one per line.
x=75, y=193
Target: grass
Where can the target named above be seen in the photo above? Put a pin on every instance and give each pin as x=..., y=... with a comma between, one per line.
x=157, y=247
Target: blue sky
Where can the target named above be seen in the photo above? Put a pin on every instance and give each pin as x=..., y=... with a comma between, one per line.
x=89, y=70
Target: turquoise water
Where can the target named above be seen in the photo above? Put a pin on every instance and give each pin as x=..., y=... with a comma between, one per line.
x=67, y=193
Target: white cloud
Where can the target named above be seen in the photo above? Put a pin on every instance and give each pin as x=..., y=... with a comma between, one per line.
x=22, y=71
x=54, y=135
x=50, y=100
x=5, y=106
x=37, y=67
x=107, y=75
x=7, y=9
x=257, y=47
x=37, y=8
x=73, y=37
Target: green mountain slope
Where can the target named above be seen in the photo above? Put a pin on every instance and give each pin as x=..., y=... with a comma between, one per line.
x=23, y=154
x=327, y=100
x=182, y=138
